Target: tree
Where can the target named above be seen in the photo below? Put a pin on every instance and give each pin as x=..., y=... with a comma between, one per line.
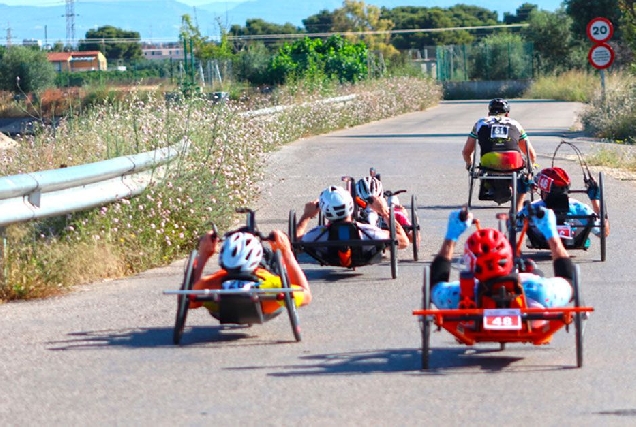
x=258, y=27
x=24, y=70
x=501, y=57
x=114, y=43
x=310, y=57
x=628, y=22
x=553, y=43
x=58, y=46
x=523, y=14
x=322, y=22
x=411, y=17
x=583, y=11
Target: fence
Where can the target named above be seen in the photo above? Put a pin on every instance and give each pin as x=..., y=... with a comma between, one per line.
x=489, y=62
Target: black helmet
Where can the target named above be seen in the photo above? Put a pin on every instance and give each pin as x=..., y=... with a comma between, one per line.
x=498, y=106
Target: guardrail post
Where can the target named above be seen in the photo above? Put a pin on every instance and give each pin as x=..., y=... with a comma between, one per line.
x=34, y=198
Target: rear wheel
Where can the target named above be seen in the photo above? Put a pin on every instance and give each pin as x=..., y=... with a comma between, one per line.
x=183, y=301
x=512, y=216
x=415, y=224
x=291, y=230
x=290, y=304
x=393, y=238
x=578, y=317
x=603, y=214
x=425, y=322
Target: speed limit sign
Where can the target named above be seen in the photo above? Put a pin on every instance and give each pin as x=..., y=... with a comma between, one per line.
x=600, y=30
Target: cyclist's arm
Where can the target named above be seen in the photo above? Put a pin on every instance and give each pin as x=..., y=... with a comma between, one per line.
x=379, y=205
x=296, y=274
x=310, y=212
x=468, y=150
x=526, y=147
x=208, y=244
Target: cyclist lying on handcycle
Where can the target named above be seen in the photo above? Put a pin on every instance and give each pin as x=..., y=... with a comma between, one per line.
x=369, y=188
x=243, y=256
x=490, y=258
x=554, y=186
x=336, y=205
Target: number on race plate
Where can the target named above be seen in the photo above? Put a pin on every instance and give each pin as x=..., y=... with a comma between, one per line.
x=502, y=319
x=565, y=231
x=499, y=132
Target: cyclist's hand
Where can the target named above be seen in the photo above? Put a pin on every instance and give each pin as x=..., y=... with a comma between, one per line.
x=593, y=190
x=208, y=243
x=545, y=221
x=456, y=226
x=280, y=241
x=311, y=209
x=469, y=166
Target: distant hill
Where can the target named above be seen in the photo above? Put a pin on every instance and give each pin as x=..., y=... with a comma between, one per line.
x=159, y=20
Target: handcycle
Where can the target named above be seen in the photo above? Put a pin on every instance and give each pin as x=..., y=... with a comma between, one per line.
x=344, y=247
x=411, y=226
x=497, y=311
x=575, y=230
x=495, y=185
x=244, y=305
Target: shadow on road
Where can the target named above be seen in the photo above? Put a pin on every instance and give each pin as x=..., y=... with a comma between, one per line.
x=201, y=336
x=443, y=361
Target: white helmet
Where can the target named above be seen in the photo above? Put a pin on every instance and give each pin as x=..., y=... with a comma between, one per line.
x=241, y=252
x=368, y=187
x=336, y=203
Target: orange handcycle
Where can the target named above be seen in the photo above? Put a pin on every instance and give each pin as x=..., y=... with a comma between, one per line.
x=497, y=311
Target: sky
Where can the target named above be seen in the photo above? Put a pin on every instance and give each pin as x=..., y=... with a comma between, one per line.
x=509, y=6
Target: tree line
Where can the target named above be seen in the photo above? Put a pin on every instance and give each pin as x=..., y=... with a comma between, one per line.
x=337, y=43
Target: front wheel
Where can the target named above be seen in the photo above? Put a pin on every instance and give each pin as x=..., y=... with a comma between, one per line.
x=415, y=224
x=290, y=303
x=578, y=317
x=393, y=244
x=183, y=301
x=425, y=322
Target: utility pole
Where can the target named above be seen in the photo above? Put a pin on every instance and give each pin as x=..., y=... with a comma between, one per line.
x=8, y=34
x=70, y=22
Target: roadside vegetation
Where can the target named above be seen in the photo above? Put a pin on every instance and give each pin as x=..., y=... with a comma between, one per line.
x=219, y=172
x=85, y=117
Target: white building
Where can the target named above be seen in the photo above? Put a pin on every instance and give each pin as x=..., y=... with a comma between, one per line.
x=163, y=51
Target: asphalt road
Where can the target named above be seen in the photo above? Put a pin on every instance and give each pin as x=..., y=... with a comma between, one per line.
x=103, y=355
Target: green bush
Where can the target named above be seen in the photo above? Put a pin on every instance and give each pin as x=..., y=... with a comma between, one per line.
x=25, y=70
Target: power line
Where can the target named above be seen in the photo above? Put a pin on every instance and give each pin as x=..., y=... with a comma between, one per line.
x=353, y=33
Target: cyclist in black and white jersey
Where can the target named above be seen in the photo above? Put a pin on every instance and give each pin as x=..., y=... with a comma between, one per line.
x=503, y=144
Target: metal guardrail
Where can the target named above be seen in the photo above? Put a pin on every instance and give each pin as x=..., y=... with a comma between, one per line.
x=60, y=191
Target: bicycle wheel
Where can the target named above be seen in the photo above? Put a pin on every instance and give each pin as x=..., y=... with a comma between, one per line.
x=578, y=317
x=415, y=224
x=603, y=213
x=425, y=322
x=290, y=304
x=393, y=244
x=183, y=302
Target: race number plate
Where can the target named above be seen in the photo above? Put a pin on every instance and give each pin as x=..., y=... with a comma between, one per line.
x=565, y=231
x=502, y=319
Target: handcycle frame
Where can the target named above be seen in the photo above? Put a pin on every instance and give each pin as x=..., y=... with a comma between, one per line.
x=237, y=306
x=467, y=325
x=535, y=241
x=311, y=247
x=477, y=172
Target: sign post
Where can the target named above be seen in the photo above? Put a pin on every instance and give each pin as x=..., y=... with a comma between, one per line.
x=601, y=55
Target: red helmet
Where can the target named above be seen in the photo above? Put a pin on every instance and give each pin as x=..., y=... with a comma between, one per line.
x=553, y=180
x=489, y=254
